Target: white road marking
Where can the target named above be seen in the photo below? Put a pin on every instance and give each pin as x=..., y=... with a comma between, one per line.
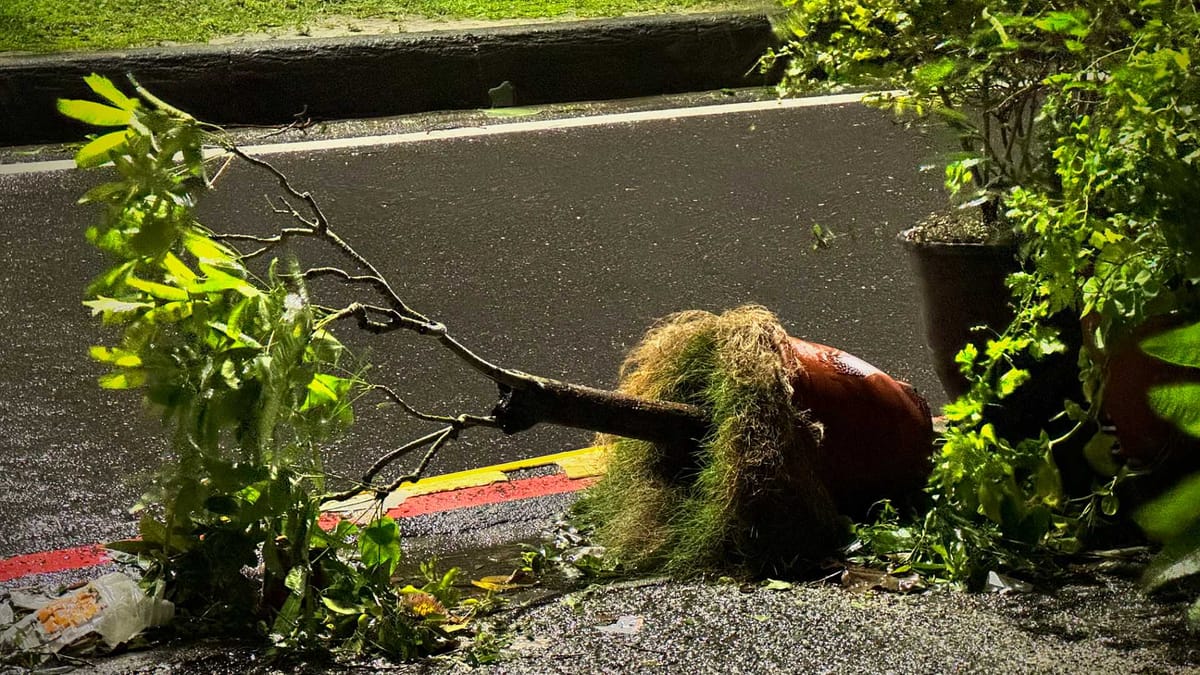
x=496, y=129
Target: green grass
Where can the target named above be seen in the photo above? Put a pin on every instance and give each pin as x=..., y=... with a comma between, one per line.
x=71, y=25
x=735, y=501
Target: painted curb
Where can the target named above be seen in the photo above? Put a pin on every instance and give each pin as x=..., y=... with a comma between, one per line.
x=464, y=489
x=375, y=76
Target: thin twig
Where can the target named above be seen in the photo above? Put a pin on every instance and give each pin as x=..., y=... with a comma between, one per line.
x=401, y=316
x=362, y=313
x=446, y=434
x=269, y=242
x=461, y=421
x=320, y=223
x=382, y=463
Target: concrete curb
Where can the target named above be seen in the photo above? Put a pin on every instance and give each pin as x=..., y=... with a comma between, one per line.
x=573, y=470
x=375, y=76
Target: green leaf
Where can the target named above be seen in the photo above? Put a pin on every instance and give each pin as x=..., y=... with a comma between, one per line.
x=286, y=620
x=151, y=530
x=105, y=88
x=103, y=305
x=1179, y=559
x=966, y=358
x=934, y=73
x=990, y=499
x=97, y=151
x=1180, y=346
x=1098, y=453
x=1064, y=23
x=126, y=379
x=338, y=607
x=157, y=290
x=1179, y=404
x=295, y=580
x=1170, y=515
x=116, y=356
x=1011, y=380
x=170, y=312
x=93, y=113
x=132, y=546
x=324, y=389
x=178, y=269
x=379, y=544
x=205, y=249
x=239, y=337
x=215, y=281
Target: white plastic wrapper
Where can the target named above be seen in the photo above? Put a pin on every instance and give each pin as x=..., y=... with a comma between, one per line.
x=111, y=610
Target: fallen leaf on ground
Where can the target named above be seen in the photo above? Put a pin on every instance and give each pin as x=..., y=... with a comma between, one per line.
x=624, y=625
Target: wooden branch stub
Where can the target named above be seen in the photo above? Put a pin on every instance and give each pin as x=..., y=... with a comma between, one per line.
x=609, y=412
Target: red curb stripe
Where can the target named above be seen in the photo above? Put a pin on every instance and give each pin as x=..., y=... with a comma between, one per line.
x=53, y=561
x=91, y=555
x=494, y=493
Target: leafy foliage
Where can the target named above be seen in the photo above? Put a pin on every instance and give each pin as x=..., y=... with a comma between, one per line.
x=250, y=382
x=1174, y=518
x=980, y=67
x=1081, y=118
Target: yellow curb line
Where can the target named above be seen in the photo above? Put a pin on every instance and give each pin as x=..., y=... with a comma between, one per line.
x=582, y=463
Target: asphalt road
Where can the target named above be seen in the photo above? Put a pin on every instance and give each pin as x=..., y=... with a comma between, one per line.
x=549, y=251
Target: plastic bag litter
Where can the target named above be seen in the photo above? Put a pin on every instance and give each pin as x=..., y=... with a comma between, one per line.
x=109, y=610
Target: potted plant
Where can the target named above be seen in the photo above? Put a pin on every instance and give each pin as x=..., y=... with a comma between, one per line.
x=980, y=68
x=1118, y=244
x=1077, y=139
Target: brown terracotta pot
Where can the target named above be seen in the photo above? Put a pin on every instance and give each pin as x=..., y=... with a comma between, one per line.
x=1146, y=440
x=878, y=435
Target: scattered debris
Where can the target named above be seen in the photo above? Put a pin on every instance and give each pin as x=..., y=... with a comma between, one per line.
x=999, y=583
x=863, y=579
x=499, y=583
x=624, y=625
x=95, y=618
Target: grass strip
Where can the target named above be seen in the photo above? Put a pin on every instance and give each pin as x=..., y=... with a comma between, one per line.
x=74, y=25
x=747, y=497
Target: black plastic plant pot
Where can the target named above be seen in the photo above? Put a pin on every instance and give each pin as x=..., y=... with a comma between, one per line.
x=961, y=287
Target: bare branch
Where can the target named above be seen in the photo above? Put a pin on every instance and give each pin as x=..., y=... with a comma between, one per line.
x=269, y=242
x=403, y=450
x=318, y=272
x=362, y=313
x=400, y=315
x=446, y=434
x=320, y=223
x=437, y=438
x=460, y=422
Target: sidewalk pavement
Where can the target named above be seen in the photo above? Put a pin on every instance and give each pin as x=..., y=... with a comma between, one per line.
x=1097, y=621
x=274, y=83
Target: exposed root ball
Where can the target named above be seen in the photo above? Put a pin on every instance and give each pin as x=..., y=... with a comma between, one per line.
x=749, y=496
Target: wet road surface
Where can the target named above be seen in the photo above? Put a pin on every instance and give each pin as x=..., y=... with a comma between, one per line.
x=549, y=251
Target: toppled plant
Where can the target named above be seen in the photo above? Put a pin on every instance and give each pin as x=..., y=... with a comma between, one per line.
x=250, y=378
x=250, y=381
x=739, y=499
x=765, y=490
